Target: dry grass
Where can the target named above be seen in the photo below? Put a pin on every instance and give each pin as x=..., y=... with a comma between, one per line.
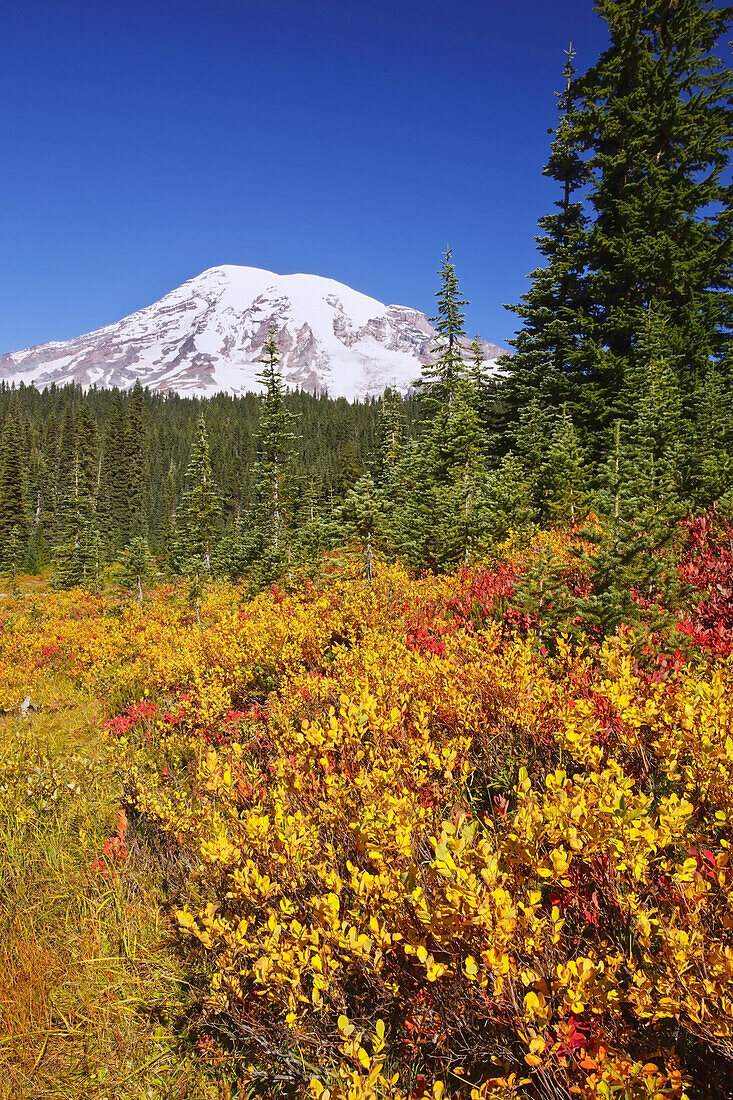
x=93, y=999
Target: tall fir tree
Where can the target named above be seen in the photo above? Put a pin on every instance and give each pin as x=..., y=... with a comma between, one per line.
x=49, y=444
x=411, y=493
x=438, y=515
x=392, y=431
x=652, y=400
x=440, y=378
x=349, y=467
x=709, y=459
x=38, y=491
x=315, y=527
x=63, y=474
x=197, y=518
x=656, y=120
x=136, y=463
x=12, y=474
x=78, y=557
x=461, y=469
x=547, y=362
x=274, y=469
x=477, y=371
x=114, y=494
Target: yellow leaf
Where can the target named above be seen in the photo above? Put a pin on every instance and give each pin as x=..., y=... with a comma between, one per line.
x=471, y=967
x=363, y=1057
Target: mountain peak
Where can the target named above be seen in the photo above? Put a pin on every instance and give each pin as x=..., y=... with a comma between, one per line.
x=208, y=335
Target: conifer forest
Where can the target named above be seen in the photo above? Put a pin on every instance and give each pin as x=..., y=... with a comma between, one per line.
x=384, y=749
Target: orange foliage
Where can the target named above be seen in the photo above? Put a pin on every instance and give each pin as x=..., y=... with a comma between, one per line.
x=433, y=858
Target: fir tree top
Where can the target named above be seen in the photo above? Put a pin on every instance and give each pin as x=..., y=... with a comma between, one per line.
x=548, y=345
x=440, y=378
x=275, y=419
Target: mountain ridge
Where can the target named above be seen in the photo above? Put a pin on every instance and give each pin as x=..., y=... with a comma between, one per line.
x=207, y=336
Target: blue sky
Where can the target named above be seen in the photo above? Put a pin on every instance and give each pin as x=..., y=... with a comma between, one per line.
x=145, y=141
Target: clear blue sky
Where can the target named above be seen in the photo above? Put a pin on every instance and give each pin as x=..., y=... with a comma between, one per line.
x=145, y=141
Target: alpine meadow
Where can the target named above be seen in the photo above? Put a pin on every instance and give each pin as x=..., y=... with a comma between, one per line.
x=377, y=743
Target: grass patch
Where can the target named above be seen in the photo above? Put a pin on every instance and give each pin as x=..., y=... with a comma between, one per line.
x=93, y=998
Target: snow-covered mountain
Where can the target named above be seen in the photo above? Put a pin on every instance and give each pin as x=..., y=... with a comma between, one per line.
x=208, y=336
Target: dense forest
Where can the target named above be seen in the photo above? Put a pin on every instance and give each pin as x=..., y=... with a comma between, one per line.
x=105, y=467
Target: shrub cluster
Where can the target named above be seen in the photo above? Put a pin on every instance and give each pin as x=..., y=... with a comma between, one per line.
x=427, y=854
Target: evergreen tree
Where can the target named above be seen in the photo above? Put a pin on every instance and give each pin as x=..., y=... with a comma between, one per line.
x=438, y=490
x=655, y=117
x=544, y=594
x=638, y=511
x=563, y=475
x=483, y=388
x=454, y=425
x=709, y=479
x=508, y=504
x=274, y=470
x=412, y=496
x=137, y=566
x=113, y=506
x=315, y=530
x=49, y=445
x=547, y=362
x=13, y=553
x=363, y=520
x=63, y=475
x=652, y=402
x=135, y=459
x=533, y=436
x=440, y=378
x=461, y=470
x=78, y=558
x=197, y=518
x=349, y=467
x=391, y=432
x=477, y=366
x=12, y=509
x=38, y=494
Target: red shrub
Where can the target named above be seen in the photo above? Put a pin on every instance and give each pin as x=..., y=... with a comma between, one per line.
x=708, y=569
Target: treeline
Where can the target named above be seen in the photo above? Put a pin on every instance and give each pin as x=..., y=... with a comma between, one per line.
x=614, y=412
x=90, y=471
